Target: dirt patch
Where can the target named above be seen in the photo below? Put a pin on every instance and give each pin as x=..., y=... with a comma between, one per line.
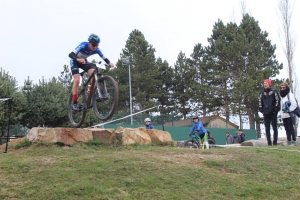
x=193, y=158
x=11, y=145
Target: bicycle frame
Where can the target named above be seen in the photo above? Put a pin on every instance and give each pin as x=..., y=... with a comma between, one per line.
x=102, y=96
x=196, y=139
x=94, y=84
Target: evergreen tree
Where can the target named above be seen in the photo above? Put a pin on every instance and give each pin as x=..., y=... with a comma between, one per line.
x=66, y=78
x=165, y=89
x=46, y=104
x=9, y=89
x=222, y=64
x=204, y=94
x=182, y=92
x=144, y=73
x=240, y=58
x=260, y=63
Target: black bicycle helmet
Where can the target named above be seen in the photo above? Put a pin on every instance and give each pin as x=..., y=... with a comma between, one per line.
x=94, y=39
x=195, y=117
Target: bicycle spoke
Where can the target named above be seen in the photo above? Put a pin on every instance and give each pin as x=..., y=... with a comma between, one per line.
x=77, y=117
x=105, y=105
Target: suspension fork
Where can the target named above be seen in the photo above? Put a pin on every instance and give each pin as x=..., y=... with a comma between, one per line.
x=98, y=86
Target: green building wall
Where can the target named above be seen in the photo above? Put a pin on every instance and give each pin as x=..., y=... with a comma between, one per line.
x=181, y=133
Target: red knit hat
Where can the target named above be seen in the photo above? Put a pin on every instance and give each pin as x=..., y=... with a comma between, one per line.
x=268, y=81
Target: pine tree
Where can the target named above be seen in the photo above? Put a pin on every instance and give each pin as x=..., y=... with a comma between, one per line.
x=144, y=73
x=165, y=89
x=9, y=89
x=221, y=61
x=260, y=63
x=46, y=104
x=240, y=58
x=182, y=92
x=204, y=96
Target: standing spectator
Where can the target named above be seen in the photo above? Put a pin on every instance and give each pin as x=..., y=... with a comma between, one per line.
x=288, y=104
x=148, y=124
x=237, y=138
x=242, y=135
x=269, y=105
x=229, y=138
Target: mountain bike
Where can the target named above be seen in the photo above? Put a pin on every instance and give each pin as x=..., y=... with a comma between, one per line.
x=102, y=95
x=197, y=143
x=194, y=143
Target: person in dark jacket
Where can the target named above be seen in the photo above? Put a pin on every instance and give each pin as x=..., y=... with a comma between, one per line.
x=242, y=135
x=237, y=138
x=229, y=138
x=269, y=105
x=148, y=124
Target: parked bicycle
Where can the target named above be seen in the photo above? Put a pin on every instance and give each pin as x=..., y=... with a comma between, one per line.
x=102, y=95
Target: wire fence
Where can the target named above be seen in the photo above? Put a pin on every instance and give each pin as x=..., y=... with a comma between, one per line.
x=138, y=119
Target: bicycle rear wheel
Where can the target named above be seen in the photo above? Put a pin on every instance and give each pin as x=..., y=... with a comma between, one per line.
x=105, y=107
x=77, y=117
x=211, y=143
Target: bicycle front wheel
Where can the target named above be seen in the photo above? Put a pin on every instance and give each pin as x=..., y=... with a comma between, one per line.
x=77, y=117
x=105, y=105
x=190, y=144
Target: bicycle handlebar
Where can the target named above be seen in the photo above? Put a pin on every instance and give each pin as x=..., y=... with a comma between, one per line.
x=105, y=64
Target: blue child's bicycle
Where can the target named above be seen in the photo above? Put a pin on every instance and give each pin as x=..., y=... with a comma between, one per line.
x=194, y=143
x=197, y=143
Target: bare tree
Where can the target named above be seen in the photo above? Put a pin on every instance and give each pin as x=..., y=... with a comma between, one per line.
x=288, y=40
x=243, y=8
x=232, y=16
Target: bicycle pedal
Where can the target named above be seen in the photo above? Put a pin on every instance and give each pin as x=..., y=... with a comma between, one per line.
x=98, y=99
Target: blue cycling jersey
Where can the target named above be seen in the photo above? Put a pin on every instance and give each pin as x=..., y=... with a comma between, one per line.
x=83, y=51
x=198, y=127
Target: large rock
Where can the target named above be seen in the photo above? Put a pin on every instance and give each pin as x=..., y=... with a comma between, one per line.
x=256, y=143
x=158, y=135
x=127, y=136
x=105, y=135
x=123, y=136
x=280, y=139
x=67, y=136
x=261, y=143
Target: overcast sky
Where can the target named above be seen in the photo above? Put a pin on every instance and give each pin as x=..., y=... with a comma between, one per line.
x=37, y=36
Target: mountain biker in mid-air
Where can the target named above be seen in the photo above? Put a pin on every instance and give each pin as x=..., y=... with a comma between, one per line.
x=200, y=130
x=79, y=60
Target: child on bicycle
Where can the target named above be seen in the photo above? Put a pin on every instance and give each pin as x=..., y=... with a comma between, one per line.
x=79, y=60
x=200, y=130
x=148, y=124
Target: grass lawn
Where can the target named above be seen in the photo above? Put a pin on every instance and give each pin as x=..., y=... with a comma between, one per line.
x=98, y=171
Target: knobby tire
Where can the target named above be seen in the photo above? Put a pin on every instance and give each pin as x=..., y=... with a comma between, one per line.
x=77, y=118
x=187, y=144
x=105, y=108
